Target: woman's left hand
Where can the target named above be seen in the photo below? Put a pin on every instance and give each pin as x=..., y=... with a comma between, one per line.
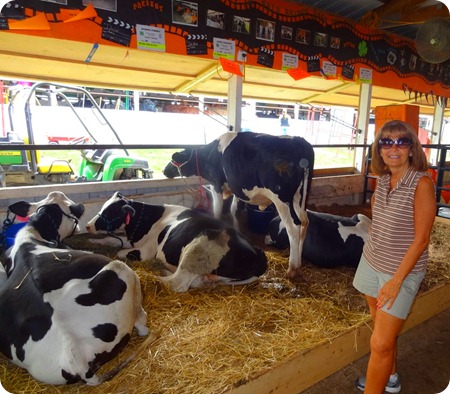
x=388, y=293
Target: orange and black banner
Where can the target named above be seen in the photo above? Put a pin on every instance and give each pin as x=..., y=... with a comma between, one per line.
x=261, y=28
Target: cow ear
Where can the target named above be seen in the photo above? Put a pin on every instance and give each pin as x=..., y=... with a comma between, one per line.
x=128, y=210
x=176, y=156
x=21, y=208
x=77, y=210
x=180, y=157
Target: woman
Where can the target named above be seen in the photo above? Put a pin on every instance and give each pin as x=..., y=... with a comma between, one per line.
x=395, y=255
x=284, y=121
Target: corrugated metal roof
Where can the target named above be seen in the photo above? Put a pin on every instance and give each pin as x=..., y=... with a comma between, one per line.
x=394, y=22
x=352, y=9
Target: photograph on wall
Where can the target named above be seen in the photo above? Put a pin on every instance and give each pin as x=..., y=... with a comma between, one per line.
x=335, y=42
x=321, y=40
x=215, y=19
x=412, y=62
x=108, y=5
x=185, y=12
x=241, y=24
x=63, y=2
x=265, y=30
x=303, y=36
x=287, y=33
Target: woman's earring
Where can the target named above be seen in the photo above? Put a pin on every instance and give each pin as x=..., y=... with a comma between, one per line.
x=410, y=154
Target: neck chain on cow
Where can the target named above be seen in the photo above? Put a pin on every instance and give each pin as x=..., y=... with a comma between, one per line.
x=110, y=227
x=57, y=241
x=112, y=235
x=75, y=223
x=137, y=223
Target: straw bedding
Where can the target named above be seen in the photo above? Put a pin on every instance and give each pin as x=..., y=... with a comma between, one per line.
x=216, y=338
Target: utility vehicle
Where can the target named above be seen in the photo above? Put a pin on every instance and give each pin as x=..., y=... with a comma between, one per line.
x=26, y=166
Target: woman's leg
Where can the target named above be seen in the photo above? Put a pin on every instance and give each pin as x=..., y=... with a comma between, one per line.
x=372, y=303
x=383, y=350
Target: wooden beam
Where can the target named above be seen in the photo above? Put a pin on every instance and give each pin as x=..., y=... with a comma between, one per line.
x=206, y=74
x=344, y=85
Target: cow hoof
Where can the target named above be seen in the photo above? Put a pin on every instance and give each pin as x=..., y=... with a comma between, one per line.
x=294, y=274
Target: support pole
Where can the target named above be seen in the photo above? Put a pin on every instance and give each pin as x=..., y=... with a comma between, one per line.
x=361, y=137
x=436, y=131
x=234, y=103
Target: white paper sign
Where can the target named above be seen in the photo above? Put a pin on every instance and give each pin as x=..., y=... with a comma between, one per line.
x=150, y=38
x=329, y=69
x=223, y=48
x=289, y=61
x=365, y=75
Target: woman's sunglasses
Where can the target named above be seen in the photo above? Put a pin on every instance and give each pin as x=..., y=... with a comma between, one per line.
x=401, y=143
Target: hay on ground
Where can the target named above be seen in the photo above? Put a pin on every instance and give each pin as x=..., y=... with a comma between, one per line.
x=216, y=338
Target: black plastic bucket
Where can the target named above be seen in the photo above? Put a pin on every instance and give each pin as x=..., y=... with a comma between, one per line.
x=258, y=221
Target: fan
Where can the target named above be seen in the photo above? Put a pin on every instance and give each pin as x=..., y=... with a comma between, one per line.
x=433, y=40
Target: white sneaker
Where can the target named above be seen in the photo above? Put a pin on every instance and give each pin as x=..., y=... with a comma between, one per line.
x=391, y=387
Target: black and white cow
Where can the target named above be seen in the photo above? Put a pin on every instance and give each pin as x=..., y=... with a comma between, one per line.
x=64, y=313
x=258, y=169
x=331, y=240
x=196, y=247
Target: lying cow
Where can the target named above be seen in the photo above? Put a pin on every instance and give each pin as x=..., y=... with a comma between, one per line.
x=331, y=240
x=196, y=247
x=64, y=313
x=258, y=169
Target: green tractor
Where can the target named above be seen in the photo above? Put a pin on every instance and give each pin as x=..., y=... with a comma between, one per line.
x=21, y=166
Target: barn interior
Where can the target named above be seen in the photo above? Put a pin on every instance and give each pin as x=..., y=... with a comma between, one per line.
x=28, y=53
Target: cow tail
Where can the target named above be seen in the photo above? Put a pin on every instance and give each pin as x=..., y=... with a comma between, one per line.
x=148, y=341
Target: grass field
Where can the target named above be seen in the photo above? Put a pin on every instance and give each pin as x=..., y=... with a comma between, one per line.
x=158, y=158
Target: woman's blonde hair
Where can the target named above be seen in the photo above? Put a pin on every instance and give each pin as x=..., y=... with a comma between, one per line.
x=417, y=158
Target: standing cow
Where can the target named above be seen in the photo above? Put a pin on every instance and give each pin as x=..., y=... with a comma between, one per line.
x=258, y=169
x=196, y=247
x=331, y=240
x=64, y=313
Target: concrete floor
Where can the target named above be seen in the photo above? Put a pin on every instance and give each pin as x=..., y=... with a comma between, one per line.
x=423, y=362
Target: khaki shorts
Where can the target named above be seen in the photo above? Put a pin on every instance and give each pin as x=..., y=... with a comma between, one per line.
x=369, y=281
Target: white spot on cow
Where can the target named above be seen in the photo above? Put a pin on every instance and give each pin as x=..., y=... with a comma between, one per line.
x=198, y=259
x=360, y=229
x=225, y=140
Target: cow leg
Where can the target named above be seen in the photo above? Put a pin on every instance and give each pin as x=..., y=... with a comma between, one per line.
x=181, y=280
x=297, y=231
x=200, y=257
x=296, y=234
x=217, y=203
x=233, y=211
x=141, y=316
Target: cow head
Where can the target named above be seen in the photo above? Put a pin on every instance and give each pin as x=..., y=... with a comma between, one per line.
x=61, y=212
x=25, y=208
x=115, y=213
x=181, y=164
